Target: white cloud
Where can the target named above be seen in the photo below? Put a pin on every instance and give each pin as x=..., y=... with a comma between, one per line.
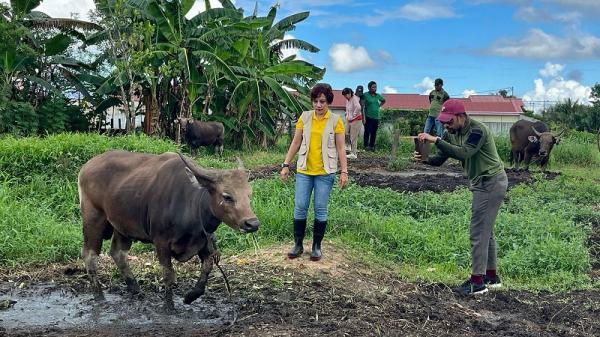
x=414, y=11
x=67, y=8
x=287, y=52
x=468, y=92
x=199, y=7
x=551, y=70
x=389, y=90
x=346, y=58
x=533, y=14
x=556, y=89
x=425, y=86
x=539, y=45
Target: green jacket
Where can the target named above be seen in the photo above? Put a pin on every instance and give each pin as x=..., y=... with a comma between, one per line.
x=474, y=147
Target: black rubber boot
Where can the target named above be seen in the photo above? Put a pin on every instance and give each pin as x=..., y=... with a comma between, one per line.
x=299, y=230
x=318, y=234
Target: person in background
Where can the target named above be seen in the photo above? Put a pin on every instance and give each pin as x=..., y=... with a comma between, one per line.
x=359, y=93
x=354, y=118
x=319, y=142
x=373, y=103
x=472, y=143
x=437, y=97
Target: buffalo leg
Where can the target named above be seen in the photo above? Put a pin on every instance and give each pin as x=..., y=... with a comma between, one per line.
x=526, y=159
x=516, y=159
x=164, y=258
x=94, y=226
x=119, y=250
x=207, y=256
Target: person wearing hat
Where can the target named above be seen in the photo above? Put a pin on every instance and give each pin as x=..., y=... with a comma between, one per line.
x=472, y=143
x=437, y=97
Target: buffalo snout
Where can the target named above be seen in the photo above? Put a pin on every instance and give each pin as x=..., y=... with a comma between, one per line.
x=250, y=225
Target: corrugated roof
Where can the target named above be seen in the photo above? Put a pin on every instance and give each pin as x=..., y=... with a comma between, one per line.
x=476, y=104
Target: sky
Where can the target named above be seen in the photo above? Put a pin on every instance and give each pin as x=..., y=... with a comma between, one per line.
x=539, y=50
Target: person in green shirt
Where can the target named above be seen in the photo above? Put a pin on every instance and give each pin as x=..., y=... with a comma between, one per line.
x=437, y=97
x=472, y=143
x=373, y=101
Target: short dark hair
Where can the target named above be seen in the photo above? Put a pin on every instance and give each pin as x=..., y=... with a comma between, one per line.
x=438, y=81
x=370, y=84
x=322, y=88
x=347, y=91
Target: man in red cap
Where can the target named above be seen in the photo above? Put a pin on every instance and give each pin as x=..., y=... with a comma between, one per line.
x=472, y=143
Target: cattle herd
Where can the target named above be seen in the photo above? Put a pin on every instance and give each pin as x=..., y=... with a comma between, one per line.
x=169, y=201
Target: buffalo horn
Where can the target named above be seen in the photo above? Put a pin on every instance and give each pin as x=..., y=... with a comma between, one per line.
x=536, y=131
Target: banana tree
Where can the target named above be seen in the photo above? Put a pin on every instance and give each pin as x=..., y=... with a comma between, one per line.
x=261, y=98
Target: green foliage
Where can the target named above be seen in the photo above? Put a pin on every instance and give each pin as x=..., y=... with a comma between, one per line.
x=64, y=154
x=410, y=123
x=17, y=118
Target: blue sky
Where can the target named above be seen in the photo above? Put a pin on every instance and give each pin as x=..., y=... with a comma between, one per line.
x=542, y=49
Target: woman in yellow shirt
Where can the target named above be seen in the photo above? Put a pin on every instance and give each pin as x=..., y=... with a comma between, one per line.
x=319, y=142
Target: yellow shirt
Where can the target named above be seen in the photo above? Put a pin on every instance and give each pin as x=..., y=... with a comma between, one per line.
x=314, y=160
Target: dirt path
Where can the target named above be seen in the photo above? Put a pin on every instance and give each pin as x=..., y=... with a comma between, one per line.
x=273, y=296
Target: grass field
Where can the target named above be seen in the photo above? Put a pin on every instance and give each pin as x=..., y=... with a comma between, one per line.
x=543, y=229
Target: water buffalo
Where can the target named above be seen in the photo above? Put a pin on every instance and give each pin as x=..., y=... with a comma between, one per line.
x=529, y=139
x=166, y=200
x=199, y=133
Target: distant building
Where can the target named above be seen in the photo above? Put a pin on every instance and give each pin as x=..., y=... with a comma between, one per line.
x=497, y=112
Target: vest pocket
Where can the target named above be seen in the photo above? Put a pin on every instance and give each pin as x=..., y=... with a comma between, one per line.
x=331, y=141
x=332, y=158
x=302, y=155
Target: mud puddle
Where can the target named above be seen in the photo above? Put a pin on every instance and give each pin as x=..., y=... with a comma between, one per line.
x=41, y=308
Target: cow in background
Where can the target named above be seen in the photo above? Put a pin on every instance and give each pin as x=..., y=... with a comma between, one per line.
x=199, y=133
x=529, y=140
x=166, y=200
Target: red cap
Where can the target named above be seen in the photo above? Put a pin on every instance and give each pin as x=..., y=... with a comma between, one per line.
x=451, y=108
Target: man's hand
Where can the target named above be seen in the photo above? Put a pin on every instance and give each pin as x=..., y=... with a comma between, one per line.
x=417, y=157
x=425, y=137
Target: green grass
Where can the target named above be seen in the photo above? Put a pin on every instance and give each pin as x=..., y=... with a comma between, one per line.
x=542, y=230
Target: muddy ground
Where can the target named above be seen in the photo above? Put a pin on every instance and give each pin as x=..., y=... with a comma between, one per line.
x=372, y=170
x=342, y=295
x=274, y=296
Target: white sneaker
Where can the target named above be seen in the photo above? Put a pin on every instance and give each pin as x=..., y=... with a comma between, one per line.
x=351, y=156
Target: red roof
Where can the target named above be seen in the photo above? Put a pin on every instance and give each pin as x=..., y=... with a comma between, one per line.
x=475, y=104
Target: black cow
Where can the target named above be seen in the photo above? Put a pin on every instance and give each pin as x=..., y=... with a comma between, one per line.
x=199, y=133
x=529, y=140
x=166, y=200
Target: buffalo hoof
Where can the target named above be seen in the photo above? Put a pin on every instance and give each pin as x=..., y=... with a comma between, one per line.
x=168, y=308
x=191, y=296
x=132, y=286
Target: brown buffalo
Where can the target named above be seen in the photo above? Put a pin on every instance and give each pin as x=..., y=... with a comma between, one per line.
x=166, y=200
x=529, y=140
x=198, y=133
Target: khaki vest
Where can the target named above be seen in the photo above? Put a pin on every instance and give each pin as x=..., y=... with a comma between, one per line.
x=328, y=149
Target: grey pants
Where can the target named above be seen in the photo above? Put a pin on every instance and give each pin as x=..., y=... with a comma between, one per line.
x=487, y=198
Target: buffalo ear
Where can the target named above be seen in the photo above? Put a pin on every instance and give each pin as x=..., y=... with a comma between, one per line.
x=532, y=139
x=192, y=178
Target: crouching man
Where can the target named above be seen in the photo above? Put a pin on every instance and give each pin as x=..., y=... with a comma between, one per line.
x=471, y=142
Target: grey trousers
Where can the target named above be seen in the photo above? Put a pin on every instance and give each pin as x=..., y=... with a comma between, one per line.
x=487, y=198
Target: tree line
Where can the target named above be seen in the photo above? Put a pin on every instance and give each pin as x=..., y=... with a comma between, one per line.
x=218, y=65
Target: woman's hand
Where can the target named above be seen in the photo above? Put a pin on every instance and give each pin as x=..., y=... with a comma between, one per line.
x=285, y=173
x=343, y=179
